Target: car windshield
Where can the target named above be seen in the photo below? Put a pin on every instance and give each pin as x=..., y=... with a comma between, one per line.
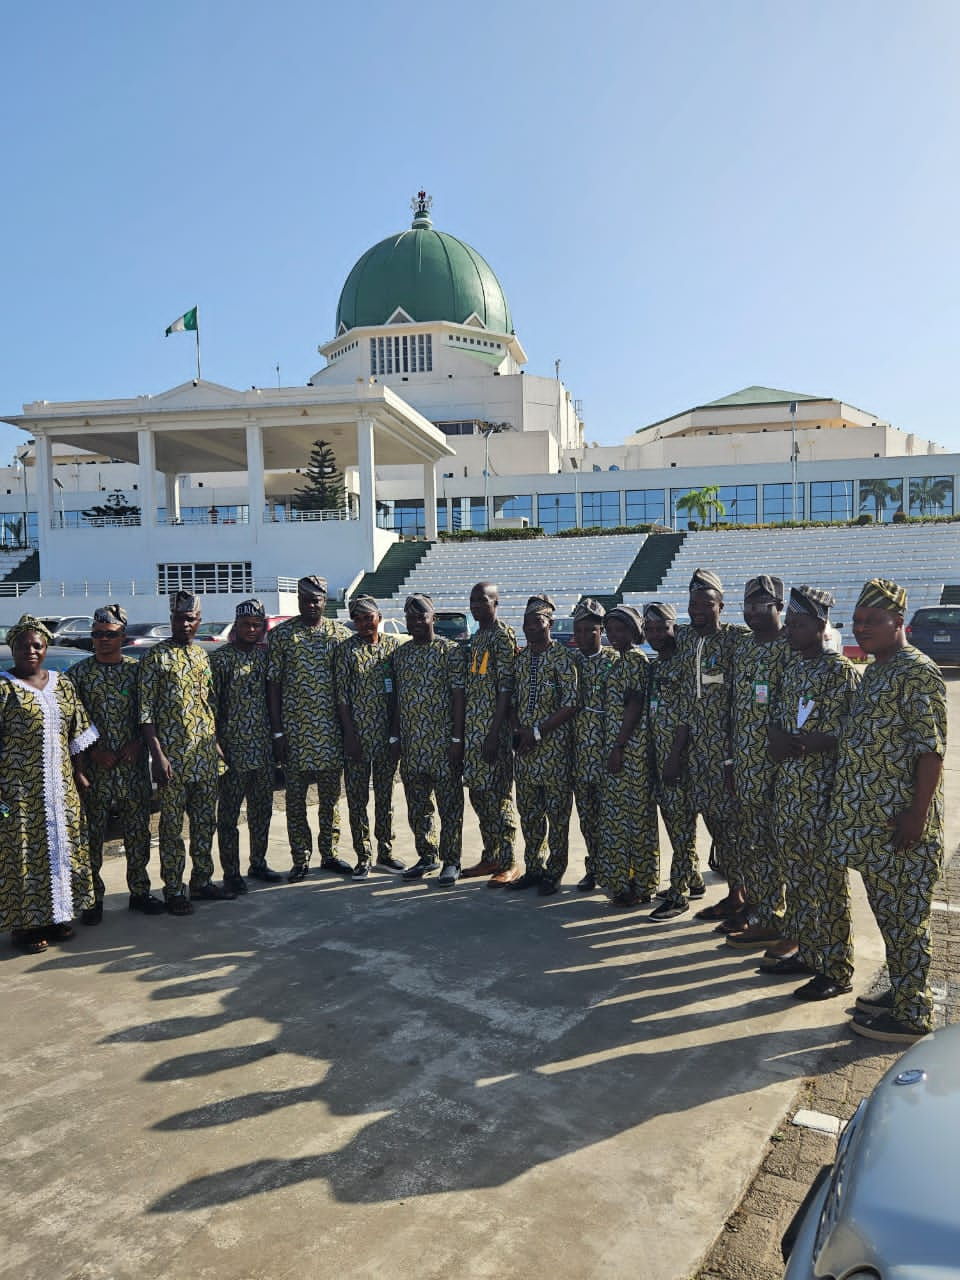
x=936, y=618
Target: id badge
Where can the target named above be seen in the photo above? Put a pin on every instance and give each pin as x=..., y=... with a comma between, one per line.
x=654, y=704
x=761, y=694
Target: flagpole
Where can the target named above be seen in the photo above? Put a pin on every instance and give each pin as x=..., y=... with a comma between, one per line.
x=197, y=331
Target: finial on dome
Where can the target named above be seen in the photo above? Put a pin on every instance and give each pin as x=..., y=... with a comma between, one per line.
x=420, y=205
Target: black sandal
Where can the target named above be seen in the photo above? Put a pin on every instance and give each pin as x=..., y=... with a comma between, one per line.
x=29, y=941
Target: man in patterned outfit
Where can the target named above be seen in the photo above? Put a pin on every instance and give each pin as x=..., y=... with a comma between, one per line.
x=544, y=703
x=701, y=746
x=488, y=747
x=243, y=731
x=307, y=739
x=427, y=740
x=108, y=687
x=176, y=720
x=628, y=864
x=363, y=668
x=886, y=818
x=679, y=816
x=758, y=668
x=816, y=694
x=593, y=660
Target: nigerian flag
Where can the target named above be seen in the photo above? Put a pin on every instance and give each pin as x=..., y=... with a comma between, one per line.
x=188, y=321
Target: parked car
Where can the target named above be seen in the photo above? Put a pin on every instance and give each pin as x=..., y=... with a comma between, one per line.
x=454, y=624
x=59, y=657
x=935, y=631
x=562, y=629
x=68, y=630
x=887, y=1206
x=219, y=631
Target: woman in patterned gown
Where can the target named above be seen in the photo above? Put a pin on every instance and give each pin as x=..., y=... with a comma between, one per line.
x=45, y=877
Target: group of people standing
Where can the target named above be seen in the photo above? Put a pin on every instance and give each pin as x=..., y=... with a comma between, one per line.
x=800, y=767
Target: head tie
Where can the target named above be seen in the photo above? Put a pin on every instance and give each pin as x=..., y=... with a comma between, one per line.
x=363, y=604
x=812, y=601
x=705, y=580
x=110, y=615
x=657, y=609
x=540, y=603
x=418, y=603
x=312, y=586
x=764, y=587
x=185, y=602
x=882, y=593
x=630, y=617
x=27, y=623
x=589, y=608
x=250, y=609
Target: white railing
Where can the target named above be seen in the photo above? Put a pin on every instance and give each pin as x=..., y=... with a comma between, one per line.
x=206, y=518
x=142, y=587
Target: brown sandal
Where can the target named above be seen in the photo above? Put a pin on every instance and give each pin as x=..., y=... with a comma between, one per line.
x=28, y=941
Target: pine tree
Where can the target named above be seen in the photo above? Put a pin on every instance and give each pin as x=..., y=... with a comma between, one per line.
x=324, y=489
x=116, y=510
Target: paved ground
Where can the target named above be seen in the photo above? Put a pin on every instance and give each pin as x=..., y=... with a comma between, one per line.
x=386, y=1080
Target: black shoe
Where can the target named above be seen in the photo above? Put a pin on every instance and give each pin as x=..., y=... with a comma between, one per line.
x=389, y=863
x=235, y=885
x=420, y=869
x=820, y=987
x=92, y=915
x=548, y=886
x=697, y=890
x=336, y=865
x=526, y=881
x=145, y=902
x=262, y=872
x=784, y=966
x=588, y=883
x=448, y=877
x=886, y=1028
x=210, y=892
x=880, y=1002
x=669, y=909
x=299, y=871
x=361, y=871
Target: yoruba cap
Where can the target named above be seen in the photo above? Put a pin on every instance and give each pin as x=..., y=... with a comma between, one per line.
x=418, y=603
x=764, y=586
x=111, y=614
x=657, y=609
x=363, y=604
x=540, y=603
x=251, y=609
x=882, y=593
x=811, y=600
x=27, y=622
x=184, y=602
x=631, y=617
x=311, y=585
x=705, y=580
x=589, y=608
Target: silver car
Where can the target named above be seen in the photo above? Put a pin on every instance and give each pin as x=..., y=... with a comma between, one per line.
x=888, y=1208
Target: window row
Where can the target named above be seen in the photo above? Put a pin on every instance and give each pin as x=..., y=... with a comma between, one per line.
x=409, y=353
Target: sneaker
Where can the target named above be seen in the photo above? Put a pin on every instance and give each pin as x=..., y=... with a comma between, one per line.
x=886, y=1028
x=448, y=877
x=880, y=1002
x=299, y=871
x=389, y=863
x=669, y=909
x=361, y=871
x=820, y=987
x=260, y=871
x=235, y=884
x=548, y=886
x=698, y=890
x=588, y=883
x=147, y=903
x=339, y=866
x=421, y=868
x=527, y=880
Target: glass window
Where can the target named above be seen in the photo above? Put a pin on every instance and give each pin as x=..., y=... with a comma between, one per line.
x=881, y=498
x=406, y=516
x=470, y=513
x=739, y=506
x=831, y=500
x=930, y=496
x=644, y=506
x=602, y=510
x=778, y=503
x=225, y=576
x=513, y=507
x=556, y=511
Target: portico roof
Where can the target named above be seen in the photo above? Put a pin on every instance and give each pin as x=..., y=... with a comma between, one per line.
x=201, y=426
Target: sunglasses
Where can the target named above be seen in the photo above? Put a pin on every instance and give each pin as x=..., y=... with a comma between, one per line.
x=106, y=635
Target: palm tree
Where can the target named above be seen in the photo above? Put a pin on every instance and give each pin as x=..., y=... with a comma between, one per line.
x=882, y=492
x=929, y=491
x=704, y=503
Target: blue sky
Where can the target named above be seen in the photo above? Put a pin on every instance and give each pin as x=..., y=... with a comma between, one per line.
x=680, y=199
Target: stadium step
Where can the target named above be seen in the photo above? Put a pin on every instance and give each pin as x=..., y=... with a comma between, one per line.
x=384, y=581
x=950, y=594
x=652, y=562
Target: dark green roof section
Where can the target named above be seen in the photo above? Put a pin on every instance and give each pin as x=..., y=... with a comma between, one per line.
x=431, y=275
x=760, y=395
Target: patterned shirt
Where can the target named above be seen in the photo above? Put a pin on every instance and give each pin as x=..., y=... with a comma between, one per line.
x=590, y=724
x=819, y=691
x=427, y=675
x=364, y=675
x=900, y=713
x=110, y=692
x=240, y=707
x=545, y=682
x=628, y=682
x=665, y=705
x=176, y=697
x=491, y=664
x=300, y=661
x=707, y=688
x=757, y=672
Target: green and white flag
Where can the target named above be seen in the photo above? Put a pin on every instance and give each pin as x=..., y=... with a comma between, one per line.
x=187, y=322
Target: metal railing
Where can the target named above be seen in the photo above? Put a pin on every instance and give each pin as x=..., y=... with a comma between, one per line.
x=212, y=517
x=143, y=587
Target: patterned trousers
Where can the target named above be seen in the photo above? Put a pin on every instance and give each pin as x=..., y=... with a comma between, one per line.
x=544, y=810
x=817, y=902
x=328, y=814
x=589, y=798
x=761, y=863
x=498, y=823
x=900, y=891
x=198, y=801
x=357, y=776
x=134, y=814
x=630, y=845
x=420, y=790
x=710, y=798
x=256, y=787
x=680, y=819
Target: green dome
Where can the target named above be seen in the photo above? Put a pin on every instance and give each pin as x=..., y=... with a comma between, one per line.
x=431, y=275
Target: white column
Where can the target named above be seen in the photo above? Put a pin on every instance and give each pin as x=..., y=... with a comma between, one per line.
x=44, y=458
x=367, y=479
x=256, y=488
x=430, y=501
x=172, y=495
x=147, y=458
